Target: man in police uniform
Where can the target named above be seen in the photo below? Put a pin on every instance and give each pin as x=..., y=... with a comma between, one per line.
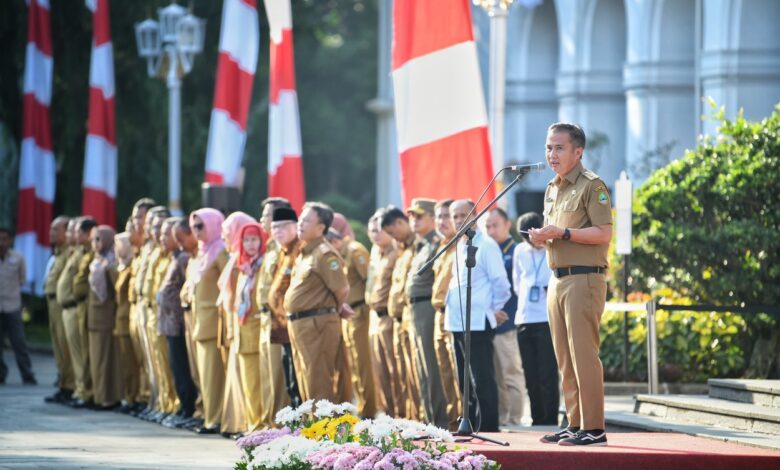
x=577, y=230
x=314, y=303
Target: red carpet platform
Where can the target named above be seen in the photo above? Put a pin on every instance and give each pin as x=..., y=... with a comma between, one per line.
x=627, y=451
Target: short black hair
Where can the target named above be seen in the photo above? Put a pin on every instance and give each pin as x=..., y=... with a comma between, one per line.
x=6, y=231
x=528, y=221
x=392, y=214
x=87, y=223
x=576, y=134
x=445, y=203
x=500, y=212
x=145, y=203
x=324, y=213
x=183, y=224
x=276, y=201
x=160, y=211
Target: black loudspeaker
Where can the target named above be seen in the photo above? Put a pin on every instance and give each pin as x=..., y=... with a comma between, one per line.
x=226, y=199
x=529, y=201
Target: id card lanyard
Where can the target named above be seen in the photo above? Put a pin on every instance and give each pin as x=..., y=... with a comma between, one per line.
x=536, y=292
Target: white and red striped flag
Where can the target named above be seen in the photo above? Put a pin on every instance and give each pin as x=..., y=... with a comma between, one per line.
x=439, y=105
x=285, y=165
x=100, y=158
x=37, y=168
x=239, y=42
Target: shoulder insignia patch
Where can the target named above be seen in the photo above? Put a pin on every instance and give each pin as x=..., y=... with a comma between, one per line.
x=333, y=265
x=600, y=188
x=603, y=199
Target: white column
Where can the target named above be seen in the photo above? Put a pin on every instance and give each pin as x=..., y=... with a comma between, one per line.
x=590, y=82
x=740, y=63
x=388, y=174
x=174, y=133
x=659, y=81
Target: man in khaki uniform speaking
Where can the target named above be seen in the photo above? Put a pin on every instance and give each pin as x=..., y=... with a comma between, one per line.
x=577, y=230
x=315, y=299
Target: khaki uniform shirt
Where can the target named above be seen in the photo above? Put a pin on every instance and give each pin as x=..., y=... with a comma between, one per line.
x=135, y=266
x=141, y=271
x=442, y=273
x=579, y=200
x=317, y=274
x=65, y=295
x=281, y=282
x=397, y=297
x=122, y=291
x=266, y=274
x=81, y=281
x=382, y=268
x=356, y=259
x=204, y=305
x=102, y=314
x=421, y=285
x=60, y=258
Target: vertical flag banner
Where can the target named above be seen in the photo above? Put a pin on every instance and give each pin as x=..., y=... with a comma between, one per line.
x=440, y=114
x=239, y=43
x=100, y=159
x=37, y=168
x=285, y=165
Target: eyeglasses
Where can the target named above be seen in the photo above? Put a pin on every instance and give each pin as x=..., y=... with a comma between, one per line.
x=198, y=226
x=96, y=239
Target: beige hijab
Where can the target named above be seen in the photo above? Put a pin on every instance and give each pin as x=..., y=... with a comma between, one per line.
x=98, y=280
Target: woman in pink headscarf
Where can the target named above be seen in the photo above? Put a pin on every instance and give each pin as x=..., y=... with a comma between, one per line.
x=202, y=276
x=252, y=245
x=233, y=410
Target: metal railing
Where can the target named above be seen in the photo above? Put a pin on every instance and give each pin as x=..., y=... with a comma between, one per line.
x=652, y=307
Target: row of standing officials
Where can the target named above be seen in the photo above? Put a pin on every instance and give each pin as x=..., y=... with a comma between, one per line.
x=214, y=323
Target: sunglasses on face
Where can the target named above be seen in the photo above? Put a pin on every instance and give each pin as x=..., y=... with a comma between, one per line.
x=198, y=226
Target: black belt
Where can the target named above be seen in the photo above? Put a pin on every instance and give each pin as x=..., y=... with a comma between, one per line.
x=69, y=304
x=422, y=298
x=265, y=309
x=51, y=296
x=310, y=313
x=357, y=304
x=381, y=312
x=563, y=272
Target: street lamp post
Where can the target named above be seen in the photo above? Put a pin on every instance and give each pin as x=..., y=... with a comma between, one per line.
x=169, y=47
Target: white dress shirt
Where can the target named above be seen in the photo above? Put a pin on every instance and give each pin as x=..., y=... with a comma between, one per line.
x=490, y=287
x=530, y=269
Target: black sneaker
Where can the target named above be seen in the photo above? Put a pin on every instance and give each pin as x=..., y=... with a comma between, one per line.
x=559, y=436
x=594, y=437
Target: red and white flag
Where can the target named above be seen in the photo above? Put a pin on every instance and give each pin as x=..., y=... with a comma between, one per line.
x=439, y=106
x=239, y=42
x=285, y=166
x=100, y=160
x=37, y=168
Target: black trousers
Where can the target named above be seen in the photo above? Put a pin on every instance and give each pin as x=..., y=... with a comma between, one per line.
x=289, y=375
x=182, y=379
x=11, y=326
x=541, y=371
x=483, y=399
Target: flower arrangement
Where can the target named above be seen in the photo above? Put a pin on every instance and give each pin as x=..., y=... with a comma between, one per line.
x=328, y=436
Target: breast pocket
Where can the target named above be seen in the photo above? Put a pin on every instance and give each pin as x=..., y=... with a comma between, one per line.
x=570, y=215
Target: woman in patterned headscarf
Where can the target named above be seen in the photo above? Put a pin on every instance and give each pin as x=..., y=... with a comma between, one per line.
x=233, y=409
x=101, y=315
x=202, y=275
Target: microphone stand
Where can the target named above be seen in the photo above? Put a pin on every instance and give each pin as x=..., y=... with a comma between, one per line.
x=465, y=429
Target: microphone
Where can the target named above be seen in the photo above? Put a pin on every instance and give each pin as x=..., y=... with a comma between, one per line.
x=527, y=167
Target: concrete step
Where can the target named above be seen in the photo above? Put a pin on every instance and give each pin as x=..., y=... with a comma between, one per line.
x=758, y=392
x=701, y=409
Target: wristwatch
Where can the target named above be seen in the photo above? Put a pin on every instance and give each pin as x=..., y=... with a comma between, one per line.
x=566, y=234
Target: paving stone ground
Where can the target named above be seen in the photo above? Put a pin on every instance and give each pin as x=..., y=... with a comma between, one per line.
x=34, y=434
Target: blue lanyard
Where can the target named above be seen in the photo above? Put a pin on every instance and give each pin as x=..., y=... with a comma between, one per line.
x=537, y=267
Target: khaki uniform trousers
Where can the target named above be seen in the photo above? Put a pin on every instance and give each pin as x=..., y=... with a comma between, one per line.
x=273, y=390
x=233, y=401
x=76, y=333
x=409, y=391
x=385, y=373
x=129, y=369
x=211, y=371
x=355, y=332
x=166, y=390
x=104, y=365
x=59, y=343
x=146, y=348
x=445, y=355
x=249, y=367
x=316, y=343
x=193, y=360
x=575, y=304
x=509, y=377
x=136, y=339
x=429, y=379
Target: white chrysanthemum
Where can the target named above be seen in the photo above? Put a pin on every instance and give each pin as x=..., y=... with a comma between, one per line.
x=283, y=450
x=324, y=408
x=305, y=407
x=438, y=433
x=285, y=415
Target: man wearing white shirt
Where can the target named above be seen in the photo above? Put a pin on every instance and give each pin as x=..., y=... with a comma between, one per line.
x=531, y=275
x=490, y=290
